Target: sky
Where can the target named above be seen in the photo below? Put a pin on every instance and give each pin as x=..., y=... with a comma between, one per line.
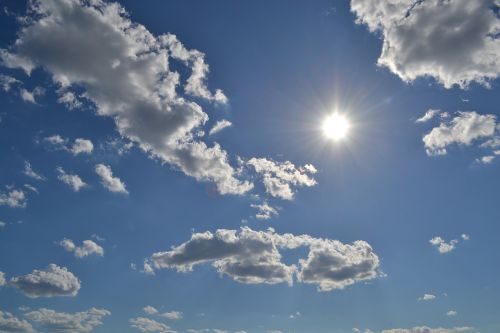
x=249, y=166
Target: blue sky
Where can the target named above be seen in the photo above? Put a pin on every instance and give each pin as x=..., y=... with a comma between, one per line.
x=165, y=168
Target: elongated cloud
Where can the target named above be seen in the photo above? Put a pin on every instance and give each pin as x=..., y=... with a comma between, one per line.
x=113, y=184
x=149, y=325
x=28, y=171
x=72, y=180
x=87, y=248
x=63, y=322
x=11, y=324
x=249, y=256
x=456, y=42
x=50, y=282
x=426, y=329
x=219, y=126
x=125, y=72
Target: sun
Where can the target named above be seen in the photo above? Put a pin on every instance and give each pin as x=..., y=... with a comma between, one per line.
x=336, y=127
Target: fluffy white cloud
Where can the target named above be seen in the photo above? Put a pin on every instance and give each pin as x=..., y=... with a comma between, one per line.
x=82, y=146
x=28, y=171
x=172, y=315
x=150, y=310
x=278, y=178
x=451, y=313
x=78, y=322
x=79, y=146
x=14, y=198
x=53, y=281
x=427, y=297
x=426, y=329
x=455, y=42
x=73, y=181
x=113, y=184
x=463, y=129
x=30, y=96
x=219, y=126
x=445, y=247
x=125, y=72
x=430, y=114
x=249, y=256
x=265, y=211
x=150, y=325
x=11, y=324
x=6, y=82
x=86, y=249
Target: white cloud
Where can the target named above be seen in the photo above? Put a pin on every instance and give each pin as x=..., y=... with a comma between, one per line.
x=124, y=71
x=69, y=99
x=82, y=146
x=2, y=224
x=78, y=322
x=53, y=281
x=463, y=129
x=455, y=42
x=172, y=315
x=28, y=171
x=113, y=184
x=427, y=297
x=219, y=126
x=150, y=310
x=79, y=146
x=426, y=329
x=11, y=324
x=451, y=313
x=15, y=198
x=465, y=237
x=31, y=188
x=249, y=256
x=3, y=281
x=278, y=178
x=86, y=249
x=30, y=96
x=150, y=325
x=6, y=82
x=442, y=245
x=429, y=114
x=74, y=181
x=265, y=211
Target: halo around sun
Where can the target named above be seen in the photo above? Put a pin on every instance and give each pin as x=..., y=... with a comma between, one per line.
x=336, y=127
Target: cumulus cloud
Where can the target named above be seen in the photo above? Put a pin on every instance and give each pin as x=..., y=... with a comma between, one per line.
x=78, y=322
x=451, y=313
x=79, y=146
x=427, y=297
x=125, y=73
x=11, y=324
x=30, y=96
x=279, y=177
x=219, y=126
x=86, y=249
x=426, y=329
x=149, y=325
x=150, y=310
x=264, y=211
x=172, y=315
x=445, y=247
x=14, y=198
x=249, y=256
x=73, y=181
x=53, y=281
x=82, y=146
x=455, y=42
x=464, y=129
x=28, y=171
x=113, y=184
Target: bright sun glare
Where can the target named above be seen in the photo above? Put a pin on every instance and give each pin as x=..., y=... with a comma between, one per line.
x=336, y=127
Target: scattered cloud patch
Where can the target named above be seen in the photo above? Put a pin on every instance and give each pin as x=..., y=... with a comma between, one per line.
x=219, y=126
x=149, y=325
x=82, y=146
x=279, y=177
x=79, y=146
x=113, y=184
x=252, y=257
x=14, y=198
x=427, y=297
x=11, y=324
x=446, y=247
x=150, y=310
x=28, y=171
x=3, y=281
x=426, y=329
x=172, y=315
x=6, y=82
x=455, y=42
x=53, y=281
x=264, y=211
x=30, y=96
x=72, y=180
x=451, y=313
x=78, y=322
x=87, y=248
